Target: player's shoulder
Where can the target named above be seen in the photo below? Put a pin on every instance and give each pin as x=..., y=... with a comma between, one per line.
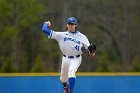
x=81, y=34
x=59, y=32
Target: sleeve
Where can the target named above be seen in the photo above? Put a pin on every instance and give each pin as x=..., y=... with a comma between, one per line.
x=46, y=30
x=86, y=42
x=56, y=35
x=51, y=34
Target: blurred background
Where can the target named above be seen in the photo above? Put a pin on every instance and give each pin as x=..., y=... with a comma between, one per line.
x=112, y=24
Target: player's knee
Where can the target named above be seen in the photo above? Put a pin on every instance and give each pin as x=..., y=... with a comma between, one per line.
x=72, y=73
x=63, y=79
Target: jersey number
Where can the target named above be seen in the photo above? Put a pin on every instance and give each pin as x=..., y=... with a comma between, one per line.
x=77, y=47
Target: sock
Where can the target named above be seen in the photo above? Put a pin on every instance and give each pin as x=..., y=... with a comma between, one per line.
x=65, y=84
x=71, y=83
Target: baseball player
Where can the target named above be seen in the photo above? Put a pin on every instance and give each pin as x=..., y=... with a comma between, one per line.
x=70, y=43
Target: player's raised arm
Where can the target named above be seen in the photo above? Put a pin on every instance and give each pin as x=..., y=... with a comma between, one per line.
x=45, y=28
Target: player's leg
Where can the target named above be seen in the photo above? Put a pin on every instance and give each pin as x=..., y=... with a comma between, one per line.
x=66, y=87
x=71, y=83
x=64, y=74
x=74, y=64
x=64, y=80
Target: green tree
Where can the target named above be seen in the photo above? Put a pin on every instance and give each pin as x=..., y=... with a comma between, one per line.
x=104, y=65
x=135, y=65
x=38, y=66
x=8, y=67
x=19, y=33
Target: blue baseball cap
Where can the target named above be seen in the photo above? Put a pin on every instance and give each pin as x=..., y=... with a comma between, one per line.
x=72, y=20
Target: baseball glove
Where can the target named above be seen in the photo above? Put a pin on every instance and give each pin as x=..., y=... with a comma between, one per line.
x=92, y=48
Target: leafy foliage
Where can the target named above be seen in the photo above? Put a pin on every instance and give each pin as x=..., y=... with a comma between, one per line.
x=38, y=67
x=113, y=25
x=8, y=67
x=135, y=65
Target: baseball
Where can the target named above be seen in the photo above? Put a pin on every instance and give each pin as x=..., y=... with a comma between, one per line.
x=49, y=23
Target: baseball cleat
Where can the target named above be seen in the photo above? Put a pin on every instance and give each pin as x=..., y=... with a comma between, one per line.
x=66, y=89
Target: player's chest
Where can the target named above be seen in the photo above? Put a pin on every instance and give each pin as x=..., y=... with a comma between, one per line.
x=71, y=39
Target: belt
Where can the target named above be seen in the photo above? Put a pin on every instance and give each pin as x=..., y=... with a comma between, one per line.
x=72, y=56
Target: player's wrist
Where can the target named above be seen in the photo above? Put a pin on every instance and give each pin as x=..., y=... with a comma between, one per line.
x=91, y=54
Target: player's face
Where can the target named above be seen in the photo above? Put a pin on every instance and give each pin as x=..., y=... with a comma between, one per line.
x=71, y=27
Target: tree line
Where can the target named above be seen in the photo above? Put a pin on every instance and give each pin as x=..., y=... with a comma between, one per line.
x=112, y=24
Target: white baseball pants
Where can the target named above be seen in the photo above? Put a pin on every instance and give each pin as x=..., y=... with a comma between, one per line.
x=69, y=67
